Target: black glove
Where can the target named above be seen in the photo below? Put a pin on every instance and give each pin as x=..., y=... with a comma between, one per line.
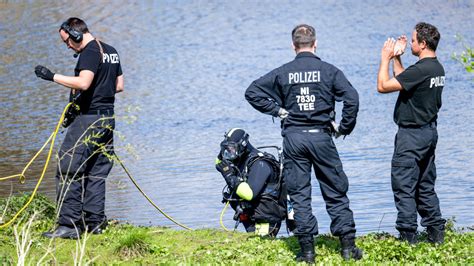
x=224, y=167
x=228, y=172
x=44, y=73
x=71, y=114
x=226, y=196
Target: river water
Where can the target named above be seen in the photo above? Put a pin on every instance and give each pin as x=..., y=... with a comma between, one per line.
x=187, y=65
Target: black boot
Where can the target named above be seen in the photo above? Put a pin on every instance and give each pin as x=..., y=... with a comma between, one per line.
x=435, y=235
x=63, y=231
x=307, y=249
x=96, y=228
x=349, y=249
x=409, y=236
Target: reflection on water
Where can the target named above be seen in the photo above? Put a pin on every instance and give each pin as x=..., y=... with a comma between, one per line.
x=187, y=65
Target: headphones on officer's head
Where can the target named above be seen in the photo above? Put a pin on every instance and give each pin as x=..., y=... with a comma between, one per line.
x=76, y=36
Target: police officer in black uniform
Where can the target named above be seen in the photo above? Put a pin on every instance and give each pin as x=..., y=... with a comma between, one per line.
x=85, y=155
x=416, y=111
x=255, y=188
x=303, y=93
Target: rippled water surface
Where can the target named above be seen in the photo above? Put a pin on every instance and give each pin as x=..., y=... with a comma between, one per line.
x=187, y=65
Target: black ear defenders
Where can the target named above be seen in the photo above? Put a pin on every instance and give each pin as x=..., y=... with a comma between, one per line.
x=76, y=36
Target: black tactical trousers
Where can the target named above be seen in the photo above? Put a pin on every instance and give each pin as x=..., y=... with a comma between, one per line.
x=83, y=167
x=303, y=150
x=413, y=178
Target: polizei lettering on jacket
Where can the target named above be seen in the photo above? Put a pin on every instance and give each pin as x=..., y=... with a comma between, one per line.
x=304, y=77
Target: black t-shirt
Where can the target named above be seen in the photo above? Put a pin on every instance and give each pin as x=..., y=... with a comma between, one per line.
x=420, y=100
x=101, y=93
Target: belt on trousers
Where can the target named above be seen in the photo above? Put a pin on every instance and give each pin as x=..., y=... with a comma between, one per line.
x=316, y=130
x=100, y=112
x=430, y=124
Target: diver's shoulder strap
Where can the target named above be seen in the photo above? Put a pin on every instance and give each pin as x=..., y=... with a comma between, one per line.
x=269, y=158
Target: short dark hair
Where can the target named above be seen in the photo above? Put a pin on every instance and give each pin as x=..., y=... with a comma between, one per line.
x=428, y=33
x=77, y=24
x=303, y=35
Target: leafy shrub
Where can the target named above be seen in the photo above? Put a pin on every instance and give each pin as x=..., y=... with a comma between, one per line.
x=466, y=57
x=43, y=206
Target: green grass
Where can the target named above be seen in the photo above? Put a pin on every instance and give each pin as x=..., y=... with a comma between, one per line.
x=133, y=243
x=124, y=244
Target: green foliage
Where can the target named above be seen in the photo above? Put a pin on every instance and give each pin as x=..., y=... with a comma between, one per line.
x=457, y=249
x=44, y=207
x=466, y=57
x=40, y=203
x=124, y=244
x=249, y=250
x=133, y=243
x=5, y=260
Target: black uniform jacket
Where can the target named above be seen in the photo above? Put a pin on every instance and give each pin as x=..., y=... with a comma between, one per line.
x=307, y=88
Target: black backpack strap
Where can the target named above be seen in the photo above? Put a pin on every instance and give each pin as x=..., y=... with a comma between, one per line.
x=274, y=183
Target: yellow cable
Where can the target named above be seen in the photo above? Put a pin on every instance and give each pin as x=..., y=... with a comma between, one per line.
x=22, y=175
x=38, y=153
x=146, y=196
x=8, y=177
x=222, y=215
x=52, y=137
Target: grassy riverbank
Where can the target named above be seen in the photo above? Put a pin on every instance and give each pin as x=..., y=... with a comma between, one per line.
x=126, y=244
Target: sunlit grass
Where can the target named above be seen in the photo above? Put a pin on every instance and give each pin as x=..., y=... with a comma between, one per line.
x=125, y=244
x=134, y=243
